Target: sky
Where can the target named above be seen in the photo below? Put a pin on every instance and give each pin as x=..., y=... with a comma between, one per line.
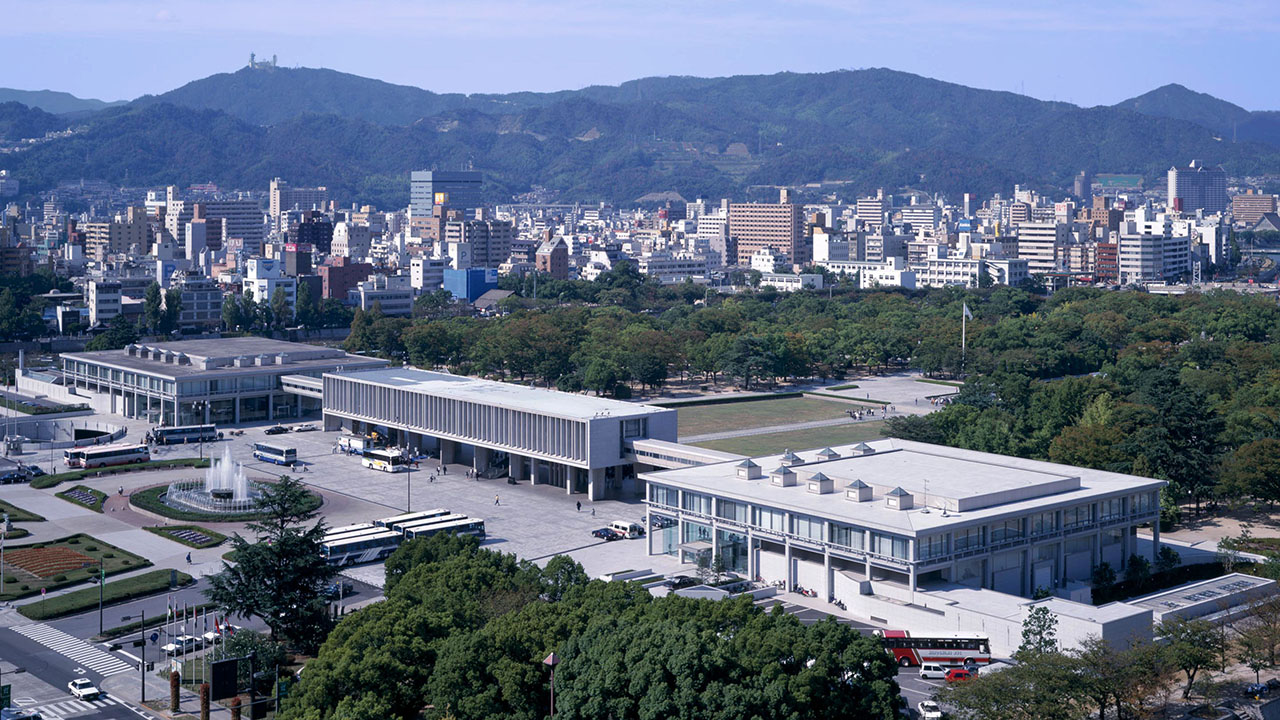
x=1088, y=52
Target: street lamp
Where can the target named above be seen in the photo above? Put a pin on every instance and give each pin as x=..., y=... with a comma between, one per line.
x=552, y=661
x=142, y=664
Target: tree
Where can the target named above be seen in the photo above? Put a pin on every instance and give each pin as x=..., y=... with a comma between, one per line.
x=1102, y=579
x=172, y=314
x=152, y=311
x=281, y=576
x=280, y=310
x=1039, y=633
x=1167, y=559
x=120, y=332
x=1192, y=646
x=1138, y=571
x=1254, y=652
x=232, y=315
x=1041, y=686
x=306, y=311
x=243, y=643
x=562, y=574
x=1254, y=469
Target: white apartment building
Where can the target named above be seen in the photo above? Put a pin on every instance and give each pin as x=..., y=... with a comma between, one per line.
x=1042, y=245
x=103, y=300
x=351, y=240
x=426, y=274
x=671, y=268
x=923, y=217
x=262, y=277
x=790, y=282
x=943, y=271
x=769, y=260
x=828, y=245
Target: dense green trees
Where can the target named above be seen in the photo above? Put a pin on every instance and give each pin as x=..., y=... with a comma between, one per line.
x=464, y=630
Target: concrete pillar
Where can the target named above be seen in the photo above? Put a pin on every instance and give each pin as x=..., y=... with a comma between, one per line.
x=595, y=484
x=480, y=459
x=236, y=404
x=791, y=573
x=826, y=566
x=569, y=477
x=206, y=412
x=911, y=570
x=514, y=463
x=649, y=535
x=1062, y=562
x=753, y=560
x=1155, y=540
x=448, y=449
x=271, y=406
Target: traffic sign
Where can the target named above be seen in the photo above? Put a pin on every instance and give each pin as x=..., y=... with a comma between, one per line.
x=155, y=637
x=6, y=693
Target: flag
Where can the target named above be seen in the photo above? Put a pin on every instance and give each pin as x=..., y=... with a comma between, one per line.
x=967, y=314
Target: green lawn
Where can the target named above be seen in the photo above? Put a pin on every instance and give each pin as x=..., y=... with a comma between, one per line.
x=702, y=419
x=47, y=481
x=19, y=584
x=113, y=592
x=798, y=439
x=17, y=514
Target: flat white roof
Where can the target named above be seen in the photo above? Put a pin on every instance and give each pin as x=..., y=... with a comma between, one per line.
x=500, y=394
x=973, y=487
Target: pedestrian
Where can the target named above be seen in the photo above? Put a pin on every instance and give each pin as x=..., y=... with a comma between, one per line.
x=593, y=512
x=432, y=479
x=579, y=506
x=188, y=558
x=495, y=500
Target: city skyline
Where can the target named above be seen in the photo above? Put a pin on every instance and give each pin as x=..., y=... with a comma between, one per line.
x=76, y=46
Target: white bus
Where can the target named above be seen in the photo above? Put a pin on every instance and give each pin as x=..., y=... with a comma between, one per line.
x=385, y=460
x=418, y=524
x=352, y=534
x=185, y=434
x=348, y=530
x=93, y=457
x=465, y=526
x=410, y=517
x=275, y=453
x=361, y=548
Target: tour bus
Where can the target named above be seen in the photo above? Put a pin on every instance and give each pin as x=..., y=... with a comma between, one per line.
x=410, y=517
x=92, y=457
x=361, y=548
x=275, y=453
x=385, y=460
x=465, y=526
x=185, y=434
x=418, y=524
x=942, y=648
x=349, y=530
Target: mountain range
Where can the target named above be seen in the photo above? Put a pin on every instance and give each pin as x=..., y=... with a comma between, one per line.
x=709, y=137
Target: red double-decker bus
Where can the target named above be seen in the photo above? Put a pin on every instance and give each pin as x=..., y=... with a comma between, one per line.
x=946, y=648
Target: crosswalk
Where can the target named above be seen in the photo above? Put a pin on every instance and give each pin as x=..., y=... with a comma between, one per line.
x=89, y=657
x=68, y=708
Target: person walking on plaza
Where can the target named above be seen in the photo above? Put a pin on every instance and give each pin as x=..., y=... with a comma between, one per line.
x=495, y=500
x=579, y=506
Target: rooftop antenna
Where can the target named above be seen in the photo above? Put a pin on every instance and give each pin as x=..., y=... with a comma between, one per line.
x=925, y=509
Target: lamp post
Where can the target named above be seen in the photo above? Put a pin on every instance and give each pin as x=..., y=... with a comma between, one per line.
x=198, y=406
x=552, y=661
x=142, y=664
x=102, y=580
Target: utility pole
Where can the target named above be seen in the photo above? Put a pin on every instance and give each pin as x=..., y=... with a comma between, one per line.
x=102, y=580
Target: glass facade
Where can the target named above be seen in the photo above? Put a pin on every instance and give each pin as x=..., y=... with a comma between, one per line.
x=733, y=548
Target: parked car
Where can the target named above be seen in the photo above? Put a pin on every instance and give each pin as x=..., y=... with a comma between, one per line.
x=626, y=529
x=34, y=470
x=211, y=638
x=681, y=581
x=20, y=714
x=929, y=710
x=304, y=427
x=83, y=689
x=13, y=475
x=277, y=430
x=932, y=671
x=958, y=675
x=340, y=589
x=606, y=534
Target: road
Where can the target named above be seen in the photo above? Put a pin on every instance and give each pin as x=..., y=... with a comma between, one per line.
x=47, y=674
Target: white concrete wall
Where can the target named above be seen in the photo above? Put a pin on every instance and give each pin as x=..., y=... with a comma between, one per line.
x=810, y=575
x=772, y=566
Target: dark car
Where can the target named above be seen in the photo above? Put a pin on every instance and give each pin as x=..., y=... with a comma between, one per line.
x=13, y=475
x=605, y=534
x=342, y=589
x=277, y=430
x=681, y=581
x=35, y=470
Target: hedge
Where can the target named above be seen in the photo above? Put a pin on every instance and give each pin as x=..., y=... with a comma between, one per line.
x=47, y=481
x=113, y=592
x=17, y=514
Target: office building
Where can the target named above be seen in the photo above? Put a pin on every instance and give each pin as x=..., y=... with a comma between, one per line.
x=128, y=232
x=263, y=277
x=571, y=441
x=426, y=274
x=338, y=275
x=1249, y=208
x=490, y=240
x=871, y=212
x=1043, y=246
x=469, y=284
x=791, y=282
x=284, y=197
x=1198, y=187
x=351, y=241
x=316, y=231
x=392, y=293
x=104, y=300
x=201, y=300
x=922, y=217
x=225, y=381
x=754, y=226
x=459, y=190
x=552, y=258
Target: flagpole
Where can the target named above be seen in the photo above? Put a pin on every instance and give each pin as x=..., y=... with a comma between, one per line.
x=964, y=318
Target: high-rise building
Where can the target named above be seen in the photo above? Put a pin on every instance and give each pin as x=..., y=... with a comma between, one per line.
x=103, y=299
x=490, y=240
x=339, y=274
x=285, y=197
x=263, y=277
x=240, y=219
x=119, y=235
x=314, y=230
x=1042, y=245
x=1083, y=186
x=1197, y=187
x=1150, y=252
x=871, y=211
x=1250, y=207
x=755, y=226
x=201, y=300
x=459, y=190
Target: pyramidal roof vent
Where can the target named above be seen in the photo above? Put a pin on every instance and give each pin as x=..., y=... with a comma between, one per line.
x=899, y=499
x=820, y=484
x=783, y=476
x=858, y=491
x=828, y=454
x=789, y=458
x=748, y=470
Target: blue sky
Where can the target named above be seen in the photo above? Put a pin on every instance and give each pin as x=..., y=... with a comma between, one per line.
x=1087, y=52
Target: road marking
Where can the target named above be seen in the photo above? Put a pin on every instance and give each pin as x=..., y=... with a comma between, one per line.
x=67, y=708
x=86, y=655
x=131, y=656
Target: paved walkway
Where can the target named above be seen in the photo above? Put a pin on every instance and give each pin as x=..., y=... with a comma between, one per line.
x=744, y=432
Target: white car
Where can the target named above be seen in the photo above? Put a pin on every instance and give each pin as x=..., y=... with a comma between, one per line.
x=83, y=689
x=304, y=427
x=929, y=710
x=181, y=644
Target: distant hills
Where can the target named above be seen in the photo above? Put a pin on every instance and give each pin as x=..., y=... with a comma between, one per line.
x=709, y=137
x=57, y=103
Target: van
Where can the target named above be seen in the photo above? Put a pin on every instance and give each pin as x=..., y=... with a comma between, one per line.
x=933, y=671
x=626, y=529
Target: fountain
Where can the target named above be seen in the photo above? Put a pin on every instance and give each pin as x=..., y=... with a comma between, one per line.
x=226, y=489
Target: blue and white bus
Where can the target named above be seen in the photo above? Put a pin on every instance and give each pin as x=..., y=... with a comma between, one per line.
x=418, y=524
x=465, y=526
x=185, y=434
x=275, y=453
x=406, y=518
x=361, y=548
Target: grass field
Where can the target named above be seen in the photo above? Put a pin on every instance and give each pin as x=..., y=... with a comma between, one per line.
x=113, y=592
x=798, y=439
x=702, y=419
x=47, y=481
x=22, y=572
x=17, y=514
